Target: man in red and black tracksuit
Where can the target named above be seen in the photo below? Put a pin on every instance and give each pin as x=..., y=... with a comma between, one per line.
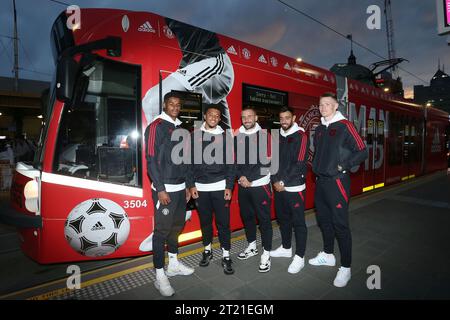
x=252, y=149
x=289, y=184
x=211, y=182
x=338, y=148
x=169, y=192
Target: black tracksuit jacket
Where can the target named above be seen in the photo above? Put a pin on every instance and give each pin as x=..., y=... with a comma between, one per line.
x=158, y=149
x=293, y=159
x=339, y=144
x=252, y=171
x=210, y=173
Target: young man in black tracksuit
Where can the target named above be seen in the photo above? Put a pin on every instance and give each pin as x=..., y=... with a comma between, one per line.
x=255, y=192
x=289, y=184
x=169, y=193
x=211, y=181
x=338, y=148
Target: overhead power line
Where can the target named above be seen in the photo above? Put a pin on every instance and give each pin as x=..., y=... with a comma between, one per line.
x=60, y=2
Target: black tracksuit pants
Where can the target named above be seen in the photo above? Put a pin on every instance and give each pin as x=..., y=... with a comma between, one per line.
x=331, y=199
x=169, y=222
x=255, y=202
x=290, y=208
x=210, y=202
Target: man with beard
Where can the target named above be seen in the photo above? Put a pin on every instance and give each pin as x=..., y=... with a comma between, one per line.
x=289, y=184
x=255, y=194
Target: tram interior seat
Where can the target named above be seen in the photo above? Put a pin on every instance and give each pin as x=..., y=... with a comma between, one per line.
x=85, y=154
x=115, y=164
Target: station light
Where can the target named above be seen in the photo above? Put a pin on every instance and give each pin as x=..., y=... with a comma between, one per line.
x=299, y=59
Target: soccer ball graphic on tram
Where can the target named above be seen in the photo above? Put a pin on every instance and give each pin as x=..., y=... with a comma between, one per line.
x=97, y=227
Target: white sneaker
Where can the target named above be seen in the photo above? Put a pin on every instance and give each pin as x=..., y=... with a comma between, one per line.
x=296, y=265
x=264, y=265
x=342, y=277
x=164, y=287
x=178, y=269
x=248, y=253
x=323, y=259
x=281, y=252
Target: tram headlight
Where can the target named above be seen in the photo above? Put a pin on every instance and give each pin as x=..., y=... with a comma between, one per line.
x=31, y=193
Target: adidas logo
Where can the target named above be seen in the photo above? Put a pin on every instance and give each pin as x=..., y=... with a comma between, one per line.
x=146, y=27
x=297, y=205
x=264, y=203
x=262, y=59
x=98, y=226
x=339, y=206
x=287, y=66
x=232, y=50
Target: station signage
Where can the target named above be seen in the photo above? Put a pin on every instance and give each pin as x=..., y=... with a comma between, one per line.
x=253, y=95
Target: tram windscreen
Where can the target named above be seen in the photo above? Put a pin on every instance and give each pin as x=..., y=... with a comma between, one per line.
x=99, y=134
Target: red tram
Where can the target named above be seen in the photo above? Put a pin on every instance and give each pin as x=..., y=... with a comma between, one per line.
x=89, y=173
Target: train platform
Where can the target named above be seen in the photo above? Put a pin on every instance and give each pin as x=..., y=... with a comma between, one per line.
x=401, y=232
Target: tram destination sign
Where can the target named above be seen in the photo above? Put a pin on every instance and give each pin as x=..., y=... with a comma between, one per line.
x=253, y=95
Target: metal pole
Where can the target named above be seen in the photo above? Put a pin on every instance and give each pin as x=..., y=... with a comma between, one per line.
x=16, y=51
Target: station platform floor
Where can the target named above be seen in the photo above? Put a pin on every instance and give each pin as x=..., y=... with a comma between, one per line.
x=403, y=229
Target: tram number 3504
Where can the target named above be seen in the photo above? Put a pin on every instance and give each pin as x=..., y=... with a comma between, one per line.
x=134, y=204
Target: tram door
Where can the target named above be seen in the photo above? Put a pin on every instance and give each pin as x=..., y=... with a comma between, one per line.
x=375, y=164
x=408, y=150
x=415, y=147
x=379, y=153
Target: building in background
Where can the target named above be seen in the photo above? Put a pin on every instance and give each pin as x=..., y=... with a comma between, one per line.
x=20, y=111
x=437, y=94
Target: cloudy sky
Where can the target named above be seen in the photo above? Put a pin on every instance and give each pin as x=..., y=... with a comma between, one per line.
x=265, y=23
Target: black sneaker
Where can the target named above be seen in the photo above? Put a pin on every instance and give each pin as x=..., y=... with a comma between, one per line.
x=206, y=257
x=226, y=264
x=247, y=253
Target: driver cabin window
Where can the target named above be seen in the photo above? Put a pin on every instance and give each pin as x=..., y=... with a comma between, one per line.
x=99, y=136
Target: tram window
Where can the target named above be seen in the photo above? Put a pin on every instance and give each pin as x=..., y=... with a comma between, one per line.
x=268, y=118
x=380, y=133
x=406, y=130
x=267, y=103
x=395, y=140
x=191, y=110
x=419, y=135
x=99, y=133
x=412, y=139
x=415, y=144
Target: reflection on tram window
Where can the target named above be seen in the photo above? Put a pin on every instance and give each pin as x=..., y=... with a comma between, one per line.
x=395, y=139
x=191, y=110
x=267, y=103
x=99, y=135
x=268, y=117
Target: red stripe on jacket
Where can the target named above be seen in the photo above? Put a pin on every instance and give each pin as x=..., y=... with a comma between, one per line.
x=302, y=152
x=355, y=134
x=152, y=136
